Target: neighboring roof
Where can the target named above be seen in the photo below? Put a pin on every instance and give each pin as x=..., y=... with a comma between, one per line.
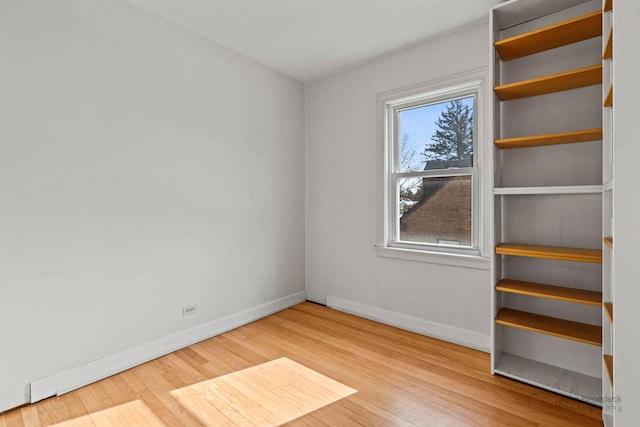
x=446, y=164
x=429, y=188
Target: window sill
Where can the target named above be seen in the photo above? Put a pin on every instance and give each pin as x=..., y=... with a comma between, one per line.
x=455, y=260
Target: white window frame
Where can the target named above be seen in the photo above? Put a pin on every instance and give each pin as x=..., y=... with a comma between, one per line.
x=389, y=103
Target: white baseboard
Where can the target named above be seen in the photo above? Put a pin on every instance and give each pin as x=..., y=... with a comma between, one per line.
x=13, y=401
x=75, y=378
x=440, y=331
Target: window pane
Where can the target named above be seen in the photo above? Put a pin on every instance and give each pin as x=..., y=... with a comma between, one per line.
x=436, y=136
x=435, y=210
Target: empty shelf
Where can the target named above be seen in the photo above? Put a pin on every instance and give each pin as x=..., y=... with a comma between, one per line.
x=608, y=308
x=551, y=252
x=561, y=34
x=548, y=377
x=608, y=101
x=548, y=84
x=551, y=139
x=567, y=329
x=608, y=49
x=608, y=241
x=580, y=296
x=608, y=363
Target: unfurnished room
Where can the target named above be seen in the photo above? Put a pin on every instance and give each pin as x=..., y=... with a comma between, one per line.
x=319, y=213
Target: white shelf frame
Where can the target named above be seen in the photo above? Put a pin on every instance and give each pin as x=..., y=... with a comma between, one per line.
x=562, y=189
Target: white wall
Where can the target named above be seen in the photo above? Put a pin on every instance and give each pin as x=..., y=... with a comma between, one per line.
x=142, y=168
x=342, y=208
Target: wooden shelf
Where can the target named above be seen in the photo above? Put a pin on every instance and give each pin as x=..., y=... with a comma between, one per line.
x=551, y=252
x=608, y=5
x=608, y=49
x=608, y=101
x=608, y=241
x=551, y=139
x=561, y=34
x=573, y=79
x=608, y=308
x=608, y=363
x=567, y=329
x=579, y=296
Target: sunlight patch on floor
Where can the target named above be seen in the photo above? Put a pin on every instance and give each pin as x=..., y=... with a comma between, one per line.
x=269, y=394
x=135, y=413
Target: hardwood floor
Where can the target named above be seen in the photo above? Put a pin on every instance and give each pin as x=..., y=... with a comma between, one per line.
x=278, y=368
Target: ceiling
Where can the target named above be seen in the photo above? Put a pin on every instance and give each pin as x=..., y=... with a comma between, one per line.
x=308, y=39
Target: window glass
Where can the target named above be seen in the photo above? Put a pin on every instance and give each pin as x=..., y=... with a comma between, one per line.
x=433, y=174
x=436, y=210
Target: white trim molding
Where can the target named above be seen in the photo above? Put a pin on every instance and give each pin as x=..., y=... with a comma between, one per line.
x=9, y=402
x=80, y=376
x=452, y=260
x=453, y=334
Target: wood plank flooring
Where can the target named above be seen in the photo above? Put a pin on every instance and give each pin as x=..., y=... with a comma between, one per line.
x=280, y=368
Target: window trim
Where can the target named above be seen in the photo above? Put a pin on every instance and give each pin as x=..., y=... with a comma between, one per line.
x=471, y=82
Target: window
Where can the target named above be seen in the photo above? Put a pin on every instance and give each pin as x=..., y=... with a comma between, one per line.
x=431, y=170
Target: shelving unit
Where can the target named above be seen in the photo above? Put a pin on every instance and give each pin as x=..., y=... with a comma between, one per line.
x=547, y=206
x=610, y=412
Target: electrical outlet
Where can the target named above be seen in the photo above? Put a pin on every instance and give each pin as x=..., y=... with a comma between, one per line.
x=189, y=309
